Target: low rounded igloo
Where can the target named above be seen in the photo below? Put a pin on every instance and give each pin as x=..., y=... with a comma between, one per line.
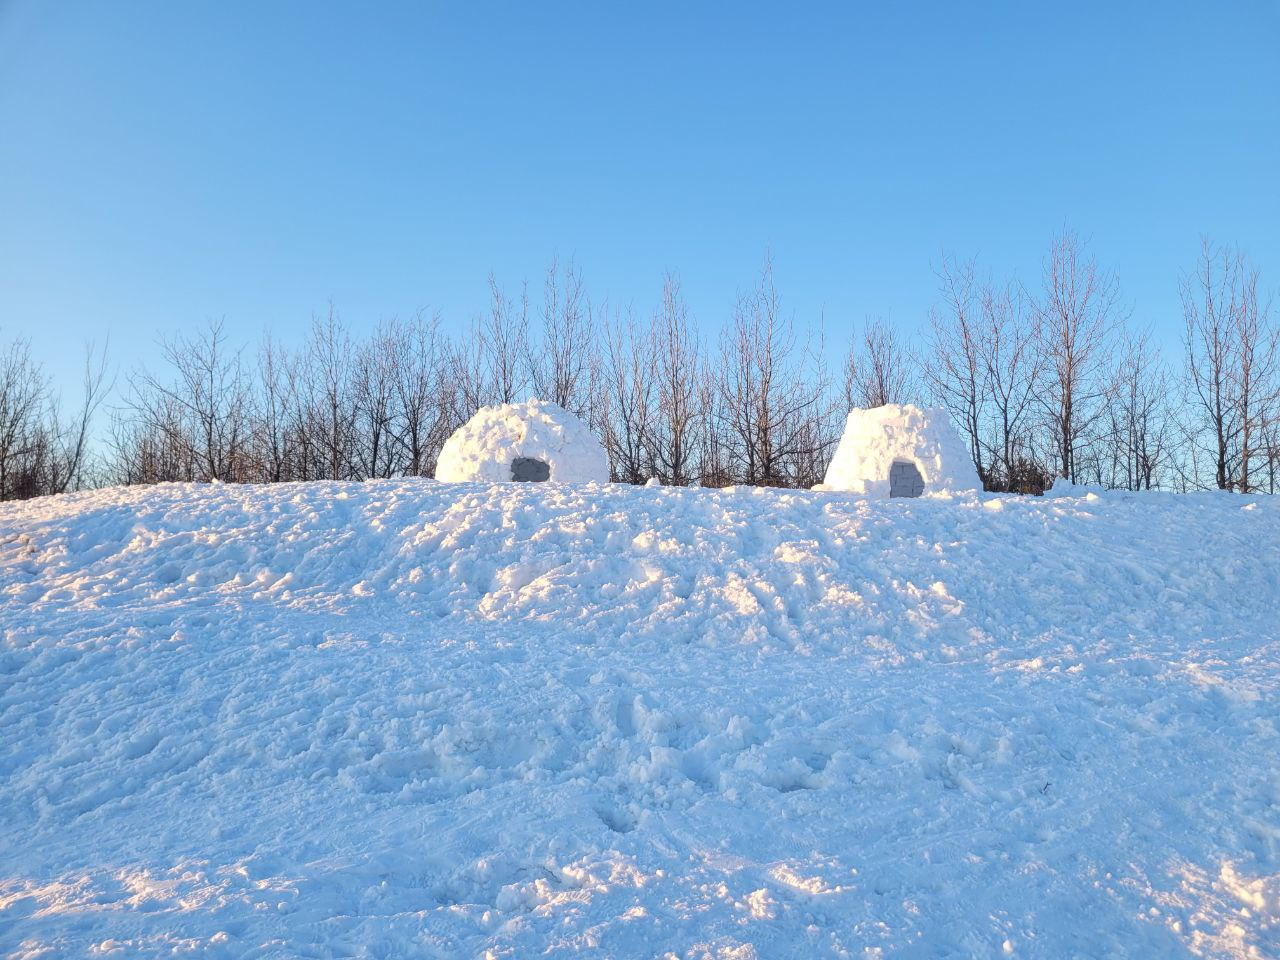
x=523, y=442
x=900, y=450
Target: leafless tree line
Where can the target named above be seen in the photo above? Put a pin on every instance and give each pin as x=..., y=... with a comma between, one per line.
x=1043, y=380
x=752, y=407
x=1232, y=386
x=42, y=450
x=334, y=408
x=1054, y=380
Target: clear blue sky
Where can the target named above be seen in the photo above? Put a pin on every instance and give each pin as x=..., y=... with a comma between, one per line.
x=162, y=163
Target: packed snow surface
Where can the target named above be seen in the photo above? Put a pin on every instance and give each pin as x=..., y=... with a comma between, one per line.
x=411, y=719
x=875, y=439
x=487, y=445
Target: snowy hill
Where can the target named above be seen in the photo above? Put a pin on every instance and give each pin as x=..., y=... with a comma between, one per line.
x=403, y=719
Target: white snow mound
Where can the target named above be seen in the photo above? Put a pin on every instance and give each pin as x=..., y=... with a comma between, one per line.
x=1062, y=487
x=487, y=446
x=874, y=440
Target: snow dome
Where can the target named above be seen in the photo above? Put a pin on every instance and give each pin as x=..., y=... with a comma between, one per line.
x=523, y=441
x=900, y=450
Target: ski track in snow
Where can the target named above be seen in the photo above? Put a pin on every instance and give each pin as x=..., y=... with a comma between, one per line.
x=410, y=719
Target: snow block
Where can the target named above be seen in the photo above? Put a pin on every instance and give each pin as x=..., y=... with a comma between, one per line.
x=900, y=450
x=529, y=441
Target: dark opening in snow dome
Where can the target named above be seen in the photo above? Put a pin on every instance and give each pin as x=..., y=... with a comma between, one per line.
x=905, y=480
x=529, y=469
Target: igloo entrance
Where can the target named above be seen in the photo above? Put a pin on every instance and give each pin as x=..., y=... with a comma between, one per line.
x=530, y=470
x=905, y=480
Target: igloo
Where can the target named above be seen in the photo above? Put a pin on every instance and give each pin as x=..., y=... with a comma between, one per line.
x=529, y=441
x=900, y=450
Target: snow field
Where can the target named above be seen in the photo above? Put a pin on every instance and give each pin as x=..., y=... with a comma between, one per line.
x=401, y=719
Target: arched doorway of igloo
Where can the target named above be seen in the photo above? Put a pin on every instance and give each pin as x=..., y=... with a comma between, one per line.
x=530, y=470
x=905, y=479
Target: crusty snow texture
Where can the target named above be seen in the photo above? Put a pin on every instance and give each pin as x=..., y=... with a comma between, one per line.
x=484, y=447
x=404, y=719
x=874, y=439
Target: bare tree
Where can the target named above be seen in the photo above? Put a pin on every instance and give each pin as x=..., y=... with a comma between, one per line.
x=201, y=406
x=1271, y=466
x=562, y=365
x=270, y=413
x=628, y=397
x=506, y=343
x=715, y=463
x=491, y=364
x=72, y=436
x=374, y=394
x=1209, y=301
x=424, y=394
x=1077, y=320
x=150, y=443
x=681, y=419
x=1008, y=344
x=1139, y=419
x=956, y=369
x=23, y=393
x=1257, y=381
x=766, y=404
x=1232, y=359
x=326, y=412
x=878, y=368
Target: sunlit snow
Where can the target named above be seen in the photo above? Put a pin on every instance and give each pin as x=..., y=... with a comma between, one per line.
x=416, y=719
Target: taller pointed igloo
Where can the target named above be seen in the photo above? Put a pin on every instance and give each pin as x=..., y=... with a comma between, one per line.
x=900, y=450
